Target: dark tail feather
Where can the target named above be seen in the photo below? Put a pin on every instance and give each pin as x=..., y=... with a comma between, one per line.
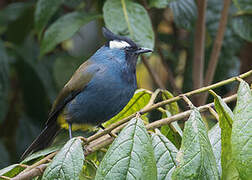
x=43, y=140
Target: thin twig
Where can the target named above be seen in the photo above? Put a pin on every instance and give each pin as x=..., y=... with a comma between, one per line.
x=153, y=73
x=199, y=47
x=216, y=49
x=214, y=113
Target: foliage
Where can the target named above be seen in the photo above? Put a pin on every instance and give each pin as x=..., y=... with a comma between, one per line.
x=40, y=46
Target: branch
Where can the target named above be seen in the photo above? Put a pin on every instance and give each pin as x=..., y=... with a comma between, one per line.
x=37, y=171
x=216, y=49
x=199, y=46
x=170, y=77
x=153, y=73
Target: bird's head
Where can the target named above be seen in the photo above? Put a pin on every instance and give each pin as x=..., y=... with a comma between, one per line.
x=122, y=43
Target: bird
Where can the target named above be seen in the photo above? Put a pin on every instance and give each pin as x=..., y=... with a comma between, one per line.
x=98, y=90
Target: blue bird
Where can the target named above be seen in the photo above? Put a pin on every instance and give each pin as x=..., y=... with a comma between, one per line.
x=99, y=89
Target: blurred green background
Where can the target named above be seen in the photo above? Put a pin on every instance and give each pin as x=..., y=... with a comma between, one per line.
x=42, y=44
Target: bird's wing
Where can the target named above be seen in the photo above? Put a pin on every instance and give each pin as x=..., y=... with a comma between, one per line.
x=74, y=86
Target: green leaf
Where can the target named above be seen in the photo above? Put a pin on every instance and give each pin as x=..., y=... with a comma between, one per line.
x=243, y=27
x=44, y=11
x=11, y=171
x=137, y=102
x=64, y=28
x=67, y=164
x=13, y=11
x=129, y=18
x=29, y=53
x=130, y=156
x=226, y=118
x=63, y=69
x=159, y=3
x=184, y=12
x=4, y=81
x=172, y=131
x=243, y=5
x=242, y=132
x=196, y=158
x=165, y=155
x=214, y=136
x=173, y=108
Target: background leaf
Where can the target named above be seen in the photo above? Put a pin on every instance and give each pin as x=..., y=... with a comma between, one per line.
x=184, y=12
x=165, y=155
x=64, y=28
x=130, y=155
x=242, y=132
x=67, y=164
x=243, y=27
x=44, y=11
x=196, y=158
x=4, y=81
x=129, y=18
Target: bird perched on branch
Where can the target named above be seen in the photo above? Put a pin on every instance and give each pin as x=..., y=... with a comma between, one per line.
x=99, y=89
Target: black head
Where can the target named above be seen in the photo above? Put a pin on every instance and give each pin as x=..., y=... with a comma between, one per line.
x=123, y=42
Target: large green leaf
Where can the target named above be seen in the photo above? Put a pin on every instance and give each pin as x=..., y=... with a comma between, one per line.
x=137, y=102
x=12, y=12
x=129, y=18
x=226, y=118
x=243, y=27
x=165, y=155
x=196, y=157
x=4, y=81
x=130, y=156
x=184, y=11
x=11, y=171
x=242, y=132
x=63, y=69
x=172, y=131
x=67, y=164
x=64, y=28
x=44, y=11
x=214, y=136
x=29, y=53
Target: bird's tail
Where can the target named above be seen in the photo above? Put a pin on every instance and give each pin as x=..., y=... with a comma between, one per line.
x=43, y=140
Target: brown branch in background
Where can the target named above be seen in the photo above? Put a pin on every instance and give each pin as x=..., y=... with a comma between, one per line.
x=170, y=76
x=153, y=73
x=199, y=47
x=216, y=49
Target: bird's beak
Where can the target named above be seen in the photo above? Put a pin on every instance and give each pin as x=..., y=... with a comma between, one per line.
x=143, y=50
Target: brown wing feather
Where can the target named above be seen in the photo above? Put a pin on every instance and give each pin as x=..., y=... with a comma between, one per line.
x=73, y=87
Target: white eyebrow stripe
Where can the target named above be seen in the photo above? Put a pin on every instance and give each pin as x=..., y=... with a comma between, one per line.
x=118, y=44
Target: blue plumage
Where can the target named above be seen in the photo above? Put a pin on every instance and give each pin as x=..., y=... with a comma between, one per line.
x=97, y=91
x=108, y=91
